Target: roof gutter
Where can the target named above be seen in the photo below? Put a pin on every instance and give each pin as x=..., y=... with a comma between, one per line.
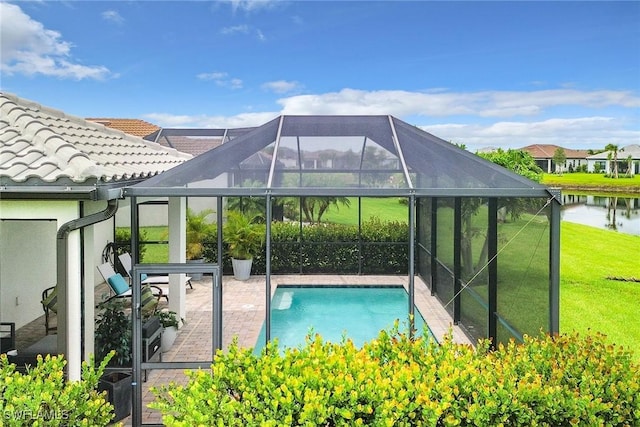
x=74, y=358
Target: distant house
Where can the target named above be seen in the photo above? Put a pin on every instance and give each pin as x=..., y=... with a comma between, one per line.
x=135, y=127
x=61, y=183
x=187, y=140
x=602, y=163
x=543, y=155
x=196, y=141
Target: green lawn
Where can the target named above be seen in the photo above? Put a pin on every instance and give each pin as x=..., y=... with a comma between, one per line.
x=156, y=252
x=387, y=209
x=595, y=180
x=588, y=301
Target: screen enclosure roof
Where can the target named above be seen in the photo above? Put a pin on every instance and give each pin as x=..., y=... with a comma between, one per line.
x=336, y=156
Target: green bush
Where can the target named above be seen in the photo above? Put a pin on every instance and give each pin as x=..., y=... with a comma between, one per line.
x=329, y=248
x=397, y=381
x=123, y=241
x=42, y=397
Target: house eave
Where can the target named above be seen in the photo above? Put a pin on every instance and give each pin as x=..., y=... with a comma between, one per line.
x=95, y=191
x=48, y=193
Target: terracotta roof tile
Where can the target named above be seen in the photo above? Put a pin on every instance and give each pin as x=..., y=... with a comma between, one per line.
x=189, y=144
x=134, y=127
x=45, y=144
x=546, y=151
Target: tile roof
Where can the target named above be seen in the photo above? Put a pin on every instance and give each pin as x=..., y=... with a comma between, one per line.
x=191, y=145
x=135, y=127
x=546, y=151
x=45, y=145
x=632, y=150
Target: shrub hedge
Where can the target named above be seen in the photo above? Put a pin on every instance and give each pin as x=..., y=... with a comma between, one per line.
x=42, y=397
x=397, y=381
x=328, y=248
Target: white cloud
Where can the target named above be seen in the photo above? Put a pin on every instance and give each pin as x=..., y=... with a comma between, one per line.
x=112, y=16
x=212, y=76
x=234, y=84
x=253, y=5
x=576, y=133
x=282, y=86
x=203, y=121
x=242, y=29
x=438, y=104
x=524, y=118
x=27, y=47
x=221, y=79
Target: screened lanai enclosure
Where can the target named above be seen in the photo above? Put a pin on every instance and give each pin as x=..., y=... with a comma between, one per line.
x=484, y=239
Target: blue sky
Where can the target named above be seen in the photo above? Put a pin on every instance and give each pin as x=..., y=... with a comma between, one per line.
x=500, y=74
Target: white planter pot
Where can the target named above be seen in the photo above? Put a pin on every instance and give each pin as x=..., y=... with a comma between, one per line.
x=196, y=276
x=241, y=268
x=168, y=338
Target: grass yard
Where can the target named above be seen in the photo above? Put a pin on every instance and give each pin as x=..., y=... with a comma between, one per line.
x=156, y=252
x=588, y=301
x=593, y=180
x=387, y=209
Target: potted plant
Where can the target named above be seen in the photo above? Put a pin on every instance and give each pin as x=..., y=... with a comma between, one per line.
x=113, y=334
x=244, y=238
x=170, y=323
x=197, y=229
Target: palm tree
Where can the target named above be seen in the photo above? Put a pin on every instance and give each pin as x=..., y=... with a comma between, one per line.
x=313, y=208
x=613, y=148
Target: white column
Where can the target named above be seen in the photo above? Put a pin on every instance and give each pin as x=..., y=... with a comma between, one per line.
x=177, y=254
x=89, y=292
x=73, y=351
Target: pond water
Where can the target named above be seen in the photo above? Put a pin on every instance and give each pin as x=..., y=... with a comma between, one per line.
x=621, y=214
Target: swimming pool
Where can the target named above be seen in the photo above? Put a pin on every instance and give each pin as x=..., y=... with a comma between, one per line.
x=357, y=312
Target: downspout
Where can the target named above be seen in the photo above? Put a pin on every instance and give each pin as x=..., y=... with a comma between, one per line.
x=74, y=360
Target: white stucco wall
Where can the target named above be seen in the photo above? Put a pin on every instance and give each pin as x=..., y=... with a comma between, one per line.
x=157, y=215
x=102, y=234
x=28, y=254
x=150, y=215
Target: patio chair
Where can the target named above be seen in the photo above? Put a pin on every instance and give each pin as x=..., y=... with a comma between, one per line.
x=125, y=260
x=50, y=306
x=120, y=287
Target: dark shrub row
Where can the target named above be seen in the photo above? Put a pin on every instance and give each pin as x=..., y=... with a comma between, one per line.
x=330, y=248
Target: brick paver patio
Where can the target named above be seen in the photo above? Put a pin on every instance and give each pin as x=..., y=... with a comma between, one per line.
x=243, y=316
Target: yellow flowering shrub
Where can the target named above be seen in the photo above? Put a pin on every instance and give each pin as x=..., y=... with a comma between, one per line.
x=43, y=397
x=395, y=380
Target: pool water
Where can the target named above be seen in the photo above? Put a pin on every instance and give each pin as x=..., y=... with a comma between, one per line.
x=357, y=312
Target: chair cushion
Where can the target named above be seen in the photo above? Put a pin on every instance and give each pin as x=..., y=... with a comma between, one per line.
x=148, y=301
x=118, y=284
x=51, y=301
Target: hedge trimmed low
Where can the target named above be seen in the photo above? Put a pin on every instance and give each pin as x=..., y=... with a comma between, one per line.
x=380, y=248
x=396, y=381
